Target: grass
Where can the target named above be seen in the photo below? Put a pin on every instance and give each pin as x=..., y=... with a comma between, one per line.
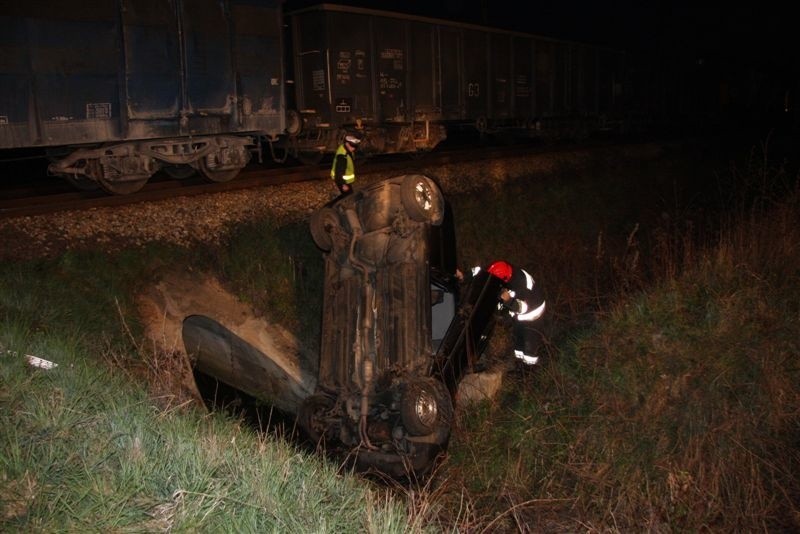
x=677, y=409
x=85, y=450
x=279, y=270
x=91, y=445
x=668, y=404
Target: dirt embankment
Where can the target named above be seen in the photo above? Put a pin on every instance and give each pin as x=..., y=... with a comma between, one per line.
x=261, y=358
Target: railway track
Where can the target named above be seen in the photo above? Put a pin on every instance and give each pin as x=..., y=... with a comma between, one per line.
x=56, y=196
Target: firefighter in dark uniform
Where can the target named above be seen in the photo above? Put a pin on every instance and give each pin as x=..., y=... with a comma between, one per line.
x=523, y=299
x=343, y=170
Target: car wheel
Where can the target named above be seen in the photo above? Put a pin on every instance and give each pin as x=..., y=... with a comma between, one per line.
x=422, y=199
x=321, y=224
x=312, y=416
x=426, y=407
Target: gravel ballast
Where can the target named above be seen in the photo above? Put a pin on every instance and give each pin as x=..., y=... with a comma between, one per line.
x=191, y=220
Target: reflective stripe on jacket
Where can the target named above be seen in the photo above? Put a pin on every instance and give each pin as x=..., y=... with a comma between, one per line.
x=349, y=175
x=529, y=304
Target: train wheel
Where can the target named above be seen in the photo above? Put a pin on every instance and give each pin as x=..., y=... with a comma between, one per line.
x=294, y=122
x=214, y=175
x=81, y=183
x=78, y=181
x=422, y=199
x=178, y=172
x=482, y=124
x=122, y=187
x=310, y=157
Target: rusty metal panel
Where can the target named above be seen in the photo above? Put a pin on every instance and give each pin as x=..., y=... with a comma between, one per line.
x=56, y=71
x=476, y=73
x=450, y=65
x=79, y=72
x=609, y=81
x=588, y=93
x=206, y=31
x=561, y=83
x=391, y=68
x=576, y=80
x=258, y=60
x=404, y=318
x=334, y=65
x=312, y=80
x=523, y=78
x=422, y=70
x=341, y=312
x=581, y=80
x=500, y=83
x=16, y=84
x=152, y=60
x=545, y=77
x=350, y=66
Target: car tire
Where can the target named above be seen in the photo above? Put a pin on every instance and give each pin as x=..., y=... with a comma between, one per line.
x=422, y=199
x=426, y=407
x=311, y=416
x=321, y=224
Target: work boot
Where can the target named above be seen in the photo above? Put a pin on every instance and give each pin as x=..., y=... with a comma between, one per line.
x=528, y=360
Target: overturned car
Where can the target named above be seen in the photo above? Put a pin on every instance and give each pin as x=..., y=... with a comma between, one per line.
x=397, y=335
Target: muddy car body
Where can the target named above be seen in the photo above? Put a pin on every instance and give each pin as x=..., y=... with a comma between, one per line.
x=396, y=339
x=398, y=333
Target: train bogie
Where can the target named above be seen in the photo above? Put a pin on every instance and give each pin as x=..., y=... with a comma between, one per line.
x=135, y=86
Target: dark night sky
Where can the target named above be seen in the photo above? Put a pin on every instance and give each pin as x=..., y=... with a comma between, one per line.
x=752, y=33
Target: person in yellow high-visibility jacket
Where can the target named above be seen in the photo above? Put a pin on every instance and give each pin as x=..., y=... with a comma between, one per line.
x=343, y=170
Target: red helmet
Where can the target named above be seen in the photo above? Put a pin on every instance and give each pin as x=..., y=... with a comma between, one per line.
x=501, y=270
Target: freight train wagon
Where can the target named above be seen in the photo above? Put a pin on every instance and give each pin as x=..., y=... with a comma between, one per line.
x=407, y=80
x=115, y=90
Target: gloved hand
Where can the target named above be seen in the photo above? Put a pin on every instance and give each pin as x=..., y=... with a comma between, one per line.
x=513, y=306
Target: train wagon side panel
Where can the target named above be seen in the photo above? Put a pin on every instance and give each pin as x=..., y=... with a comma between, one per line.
x=152, y=67
x=209, y=67
x=522, y=78
x=258, y=60
x=575, y=80
x=591, y=81
x=386, y=70
x=544, y=78
x=78, y=73
x=210, y=84
x=562, y=94
x=500, y=64
x=311, y=58
x=423, y=75
x=58, y=75
x=476, y=73
x=391, y=67
x=611, y=77
x=351, y=68
x=15, y=83
x=334, y=67
x=449, y=54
